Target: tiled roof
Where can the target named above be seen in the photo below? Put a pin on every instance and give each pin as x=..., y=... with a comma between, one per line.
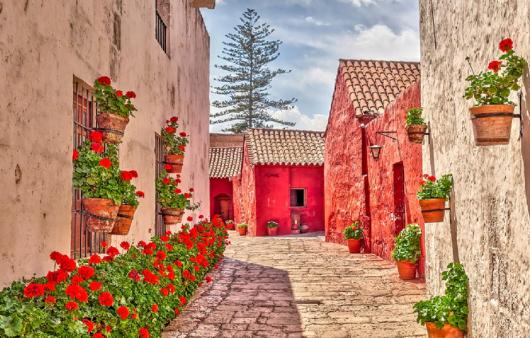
x=372, y=85
x=225, y=162
x=282, y=146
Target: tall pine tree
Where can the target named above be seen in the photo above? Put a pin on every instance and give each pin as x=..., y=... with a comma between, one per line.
x=247, y=54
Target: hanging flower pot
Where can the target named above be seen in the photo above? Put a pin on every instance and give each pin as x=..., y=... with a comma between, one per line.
x=112, y=126
x=124, y=220
x=492, y=124
x=172, y=216
x=353, y=234
x=174, y=163
x=101, y=214
x=416, y=126
x=242, y=229
x=433, y=210
x=447, y=331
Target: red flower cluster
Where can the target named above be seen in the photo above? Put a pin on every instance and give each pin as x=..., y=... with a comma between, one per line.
x=506, y=45
x=130, y=94
x=106, y=299
x=105, y=163
x=171, y=130
x=104, y=80
x=123, y=312
x=495, y=66
x=128, y=175
x=140, y=194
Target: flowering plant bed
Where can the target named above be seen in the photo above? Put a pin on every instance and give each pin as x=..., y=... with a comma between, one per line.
x=432, y=195
x=175, y=145
x=132, y=294
x=446, y=315
x=407, y=251
x=114, y=107
x=493, y=111
x=353, y=234
x=416, y=126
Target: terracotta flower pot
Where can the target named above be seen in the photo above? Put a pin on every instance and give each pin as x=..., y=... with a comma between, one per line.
x=124, y=220
x=354, y=245
x=171, y=215
x=433, y=210
x=492, y=124
x=112, y=126
x=272, y=231
x=101, y=214
x=242, y=231
x=176, y=162
x=416, y=133
x=447, y=331
x=230, y=226
x=406, y=270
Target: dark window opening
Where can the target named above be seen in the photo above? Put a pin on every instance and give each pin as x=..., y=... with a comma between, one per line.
x=297, y=197
x=162, y=24
x=160, y=229
x=83, y=243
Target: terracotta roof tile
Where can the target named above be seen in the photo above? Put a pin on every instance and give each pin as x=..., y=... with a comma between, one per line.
x=225, y=161
x=372, y=85
x=288, y=147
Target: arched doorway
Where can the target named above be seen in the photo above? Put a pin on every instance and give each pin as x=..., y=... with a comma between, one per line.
x=223, y=206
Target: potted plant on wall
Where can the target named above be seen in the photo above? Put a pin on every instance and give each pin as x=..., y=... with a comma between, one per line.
x=416, y=125
x=172, y=200
x=230, y=225
x=446, y=316
x=353, y=234
x=242, y=229
x=272, y=228
x=492, y=112
x=97, y=175
x=407, y=251
x=129, y=203
x=432, y=196
x=114, y=109
x=175, y=146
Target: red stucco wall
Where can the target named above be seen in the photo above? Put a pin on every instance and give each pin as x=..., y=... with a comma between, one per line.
x=218, y=187
x=244, y=189
x=345, y=198
x=273, y=184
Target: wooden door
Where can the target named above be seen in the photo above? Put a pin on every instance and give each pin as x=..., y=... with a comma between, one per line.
x=399, y=197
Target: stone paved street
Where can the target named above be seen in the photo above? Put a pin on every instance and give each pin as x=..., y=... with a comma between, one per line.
x=300, y=287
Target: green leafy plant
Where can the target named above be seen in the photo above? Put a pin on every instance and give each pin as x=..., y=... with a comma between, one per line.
x=130, y=195
x=408, y=244
x=135, y=293
x=242, y=225
x=96, y=170
x=272, y=224
x=174, y=143
x=170, y=195
x=113, y=101
x=451, y=308
x=495, y=85
x=354, y=231
x=435, y=188
x=414, y=117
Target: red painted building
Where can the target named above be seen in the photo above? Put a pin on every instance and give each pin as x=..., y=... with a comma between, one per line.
x=369, y=108
x=225, y=159
x=281, y=180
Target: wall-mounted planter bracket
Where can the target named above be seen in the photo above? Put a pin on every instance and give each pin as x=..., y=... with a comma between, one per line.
x=386, y=133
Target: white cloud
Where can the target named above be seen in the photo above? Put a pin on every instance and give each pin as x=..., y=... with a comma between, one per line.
x=315, y=22
x=359, y=3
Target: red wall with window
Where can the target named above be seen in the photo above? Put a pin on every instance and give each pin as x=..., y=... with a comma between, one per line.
x=221, y=189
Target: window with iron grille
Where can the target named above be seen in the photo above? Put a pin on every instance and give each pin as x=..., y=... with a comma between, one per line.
x=160, y=229
x=162, y=24
x=83, y=242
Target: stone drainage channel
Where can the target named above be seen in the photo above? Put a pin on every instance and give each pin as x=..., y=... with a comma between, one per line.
x=300, y=286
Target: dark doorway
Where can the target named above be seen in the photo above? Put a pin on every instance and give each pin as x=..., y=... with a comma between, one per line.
x=399, y=197
x=223, y=206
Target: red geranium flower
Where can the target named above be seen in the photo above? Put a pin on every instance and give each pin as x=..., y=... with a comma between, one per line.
x=125, y=245
x=177, y=312
x=33, y=290
x=95, y=286
x=183, y=300
x=123, y=312
x=94, y=259
x=96, y=147
x=70, y=306
x=166, y=180
x=183, y=134
x=113, y=252
x=495, y=66
x=108, y=328
x=178, y=263
x=161, y=255
x=104, y=80
x=103, y=244
x=86, y=272
x=140, y=194
x=89, y=325
x=506, y=45
x=201, y=216
x=126, y=176
x=182, y=148
x=154, y=308
x=164, y=238
x=134, y=275
x=177, y=191
x=95, y=136
x=170, y=130
x=50, y=300
x=77, y=292
x=187, y=195
x=106, y=299
x=75, y=155
x=119, y=93
x=190, y=218
x=105, y=162
x=130, y=94
x=143, y=332
x=150, y=277
x=192, y=190
x=432, y=178
x=208, y=279
x=98, y=335
x=133, y=173
x=174, y=119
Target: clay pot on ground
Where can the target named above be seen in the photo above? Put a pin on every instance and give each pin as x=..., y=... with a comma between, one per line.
x=124, y=220
x=406, y=270
x=112, y=126
x=101, y=214
x=176, y=162
x=272, y=231
x=416, y=133
x=172, y=216
x=304, y=228
x=447, y=331
x=230, y=226
x=354, y=245
x=242, y=231
x=433, y=210
x=492, y=124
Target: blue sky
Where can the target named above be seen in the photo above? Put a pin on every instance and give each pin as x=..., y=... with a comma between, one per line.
x=315, y=35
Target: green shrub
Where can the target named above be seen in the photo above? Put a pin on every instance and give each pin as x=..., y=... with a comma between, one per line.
x=408, y=244
x=354, y=231
x=414, y=117
x=272, y=224
x=242, y=225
